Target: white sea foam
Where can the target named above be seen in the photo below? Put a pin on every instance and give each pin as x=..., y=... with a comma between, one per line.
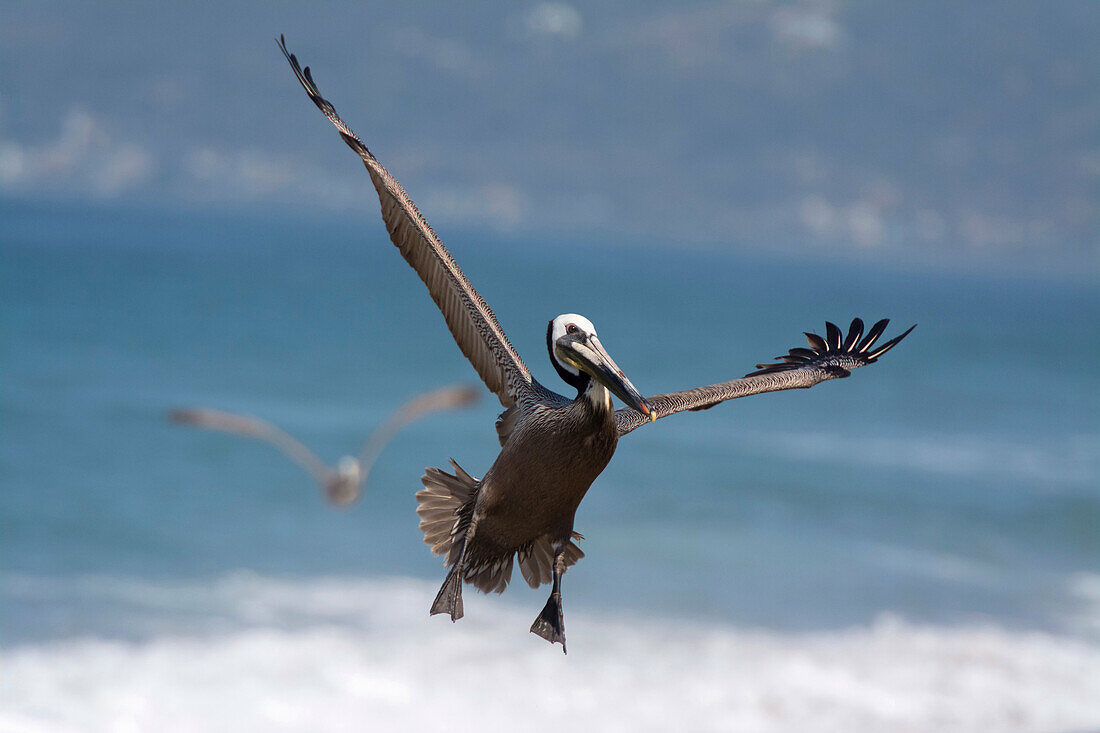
x=361, y=654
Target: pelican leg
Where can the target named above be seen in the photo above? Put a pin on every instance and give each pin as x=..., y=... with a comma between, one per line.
x=449, y=598
x=550, y=625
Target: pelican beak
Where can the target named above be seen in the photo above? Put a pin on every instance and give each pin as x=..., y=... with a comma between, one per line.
x=591, y=358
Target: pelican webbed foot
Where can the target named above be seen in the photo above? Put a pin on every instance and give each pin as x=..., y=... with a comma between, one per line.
x=449, y=598
x=550, y=625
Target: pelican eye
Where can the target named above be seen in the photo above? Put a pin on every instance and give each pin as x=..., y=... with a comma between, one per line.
x=572, y=328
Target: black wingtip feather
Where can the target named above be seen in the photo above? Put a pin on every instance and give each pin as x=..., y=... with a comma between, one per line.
x=834, y=354
x=873, y=356
x=872, y=336
x=855, y=332
x=816, y=342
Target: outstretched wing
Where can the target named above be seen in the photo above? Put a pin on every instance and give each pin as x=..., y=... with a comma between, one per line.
x=831, y=357
x=447, y=398
x=252, y=427
x=472, y=322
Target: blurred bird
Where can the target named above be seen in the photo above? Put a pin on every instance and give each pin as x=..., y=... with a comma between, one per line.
x=552, y=447
x=343, y=484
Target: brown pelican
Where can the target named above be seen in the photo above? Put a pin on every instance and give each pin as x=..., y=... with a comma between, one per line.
x=342, y=484
x=552, y=447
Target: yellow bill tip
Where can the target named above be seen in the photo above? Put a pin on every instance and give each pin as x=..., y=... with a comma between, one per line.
x=653, y=416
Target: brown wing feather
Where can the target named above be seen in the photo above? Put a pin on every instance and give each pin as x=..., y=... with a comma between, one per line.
x=830, y=358
x=472, y=322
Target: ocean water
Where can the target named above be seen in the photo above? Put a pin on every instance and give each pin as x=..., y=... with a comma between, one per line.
x=914, y=548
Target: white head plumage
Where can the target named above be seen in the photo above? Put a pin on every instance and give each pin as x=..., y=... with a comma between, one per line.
x=561, y=326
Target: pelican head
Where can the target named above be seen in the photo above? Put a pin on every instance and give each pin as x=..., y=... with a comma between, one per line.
x=343, y=485
x=579, y=358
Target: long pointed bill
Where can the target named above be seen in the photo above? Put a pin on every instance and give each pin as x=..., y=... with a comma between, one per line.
x=593, y=359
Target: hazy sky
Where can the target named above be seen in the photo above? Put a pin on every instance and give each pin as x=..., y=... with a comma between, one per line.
x=953, y=131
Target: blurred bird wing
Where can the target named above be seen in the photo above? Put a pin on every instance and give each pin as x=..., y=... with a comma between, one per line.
x=831, y=357
x=472, y=322
x=253, y=427
x=446, y=398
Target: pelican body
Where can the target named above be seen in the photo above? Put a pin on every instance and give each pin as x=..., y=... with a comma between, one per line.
x=552, y=447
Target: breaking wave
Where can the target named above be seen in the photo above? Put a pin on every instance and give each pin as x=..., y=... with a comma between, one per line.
x=247, y=652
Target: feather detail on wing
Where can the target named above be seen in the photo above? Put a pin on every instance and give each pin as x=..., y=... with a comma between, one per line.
x=829, y=357
x=472, y=323
x=851, y=353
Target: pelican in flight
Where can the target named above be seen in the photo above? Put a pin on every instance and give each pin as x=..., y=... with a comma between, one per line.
x=343, y=484
x=552, y=447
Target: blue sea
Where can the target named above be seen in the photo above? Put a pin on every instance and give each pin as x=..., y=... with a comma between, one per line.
x=914, y=548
